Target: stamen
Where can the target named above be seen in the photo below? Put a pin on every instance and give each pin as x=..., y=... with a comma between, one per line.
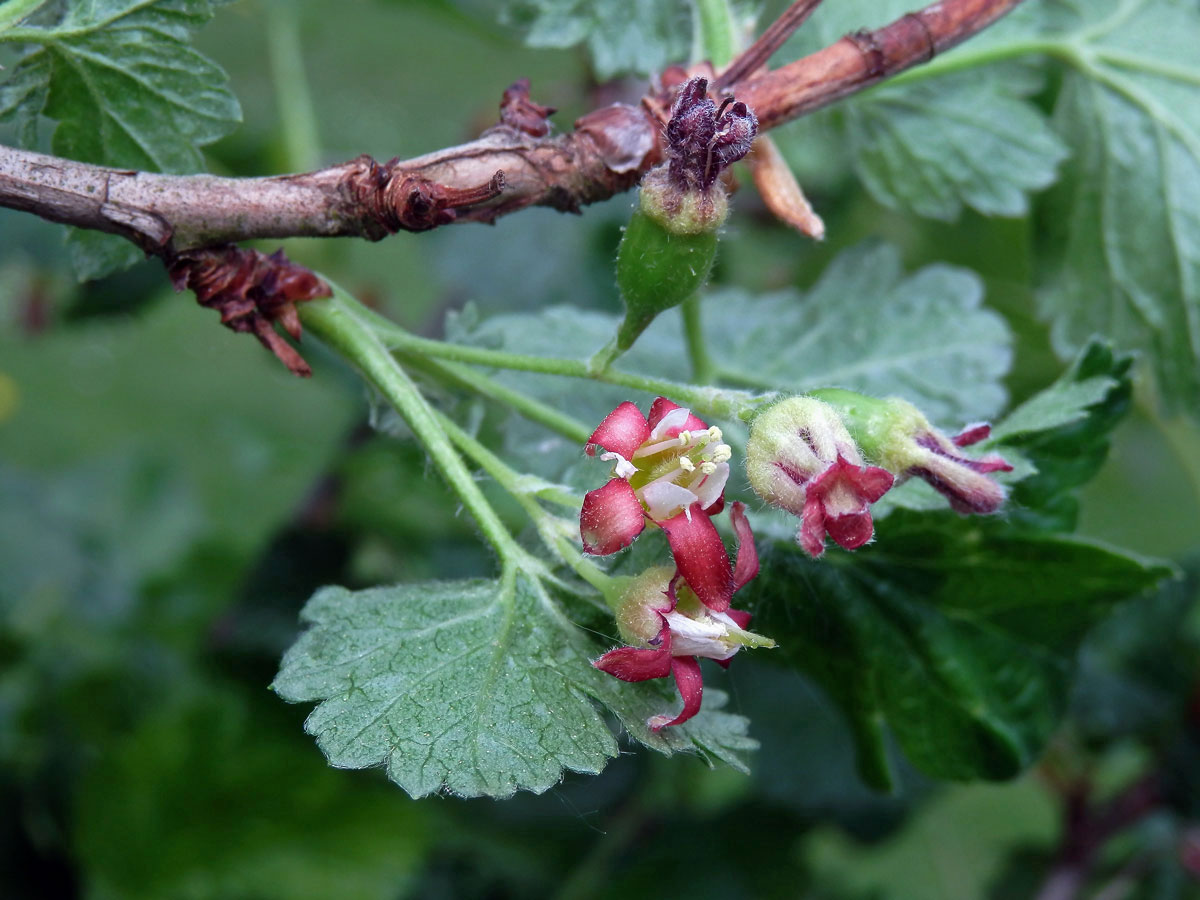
x=708, y=467
x=722, y=453
x=714, y=433
x=659, y=447
x=670, y=476
x=686, y=464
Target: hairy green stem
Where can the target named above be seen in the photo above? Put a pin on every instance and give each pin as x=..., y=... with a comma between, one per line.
x=965, y=58
x=716, y=32
x=516, y=485
x=704, y=401
x=14, y=11
x=529, y=407
x=337, y=324
x=703, y=368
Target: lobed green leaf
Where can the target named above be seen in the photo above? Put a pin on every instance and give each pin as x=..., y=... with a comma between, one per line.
x=125, y=89
x=1126, y=249
x=932, y=148
x=957, y=637
x=1063, y=434
x=477, y=688
x=622, y=36
x=868, y=326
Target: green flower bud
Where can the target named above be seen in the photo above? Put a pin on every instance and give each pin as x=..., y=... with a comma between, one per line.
x=801, y=458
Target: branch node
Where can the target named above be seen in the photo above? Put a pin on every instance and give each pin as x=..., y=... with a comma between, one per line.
x=395, y=200
x=251, y=290
x=930, y=40
x=519, y=112
x=868, y=45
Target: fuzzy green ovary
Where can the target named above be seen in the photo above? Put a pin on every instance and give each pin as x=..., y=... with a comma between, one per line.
x=658, y=269
x=638, y=618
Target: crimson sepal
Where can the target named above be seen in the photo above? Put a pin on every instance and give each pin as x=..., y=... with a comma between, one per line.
x=700, y=557
x=622, y=431
x=690, y=682
x=611, y=518
x=637, y=663
x=746, y=567
x=837, y=503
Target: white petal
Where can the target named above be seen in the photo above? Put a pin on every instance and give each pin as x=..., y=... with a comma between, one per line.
x=665, y=499
x=674, y=419
x=704, y=636
x=624, y=468
x=708, y=490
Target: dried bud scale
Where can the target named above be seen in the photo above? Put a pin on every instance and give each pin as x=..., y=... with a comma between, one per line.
x=252, y=291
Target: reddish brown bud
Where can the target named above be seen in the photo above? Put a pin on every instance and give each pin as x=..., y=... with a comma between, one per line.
x=702, y=139
x=251, y=291
x=519, y=112
x=623, y=135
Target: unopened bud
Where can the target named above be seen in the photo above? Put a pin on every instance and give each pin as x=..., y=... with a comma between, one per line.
x=896, y=435
x=801, y=458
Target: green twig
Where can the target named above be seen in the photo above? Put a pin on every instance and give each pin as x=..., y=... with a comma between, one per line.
x=335, y=321
x=297, y=120
x=529, y=407
x=1067, y=51
x=703, y=368
x=705, y=401
x=519, y=487
x=716, y=32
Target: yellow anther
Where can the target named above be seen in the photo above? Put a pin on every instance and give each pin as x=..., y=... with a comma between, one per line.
x=685, y=438
x=686, y=464
x=708, y=467
x=714, y=433
x=722, y=453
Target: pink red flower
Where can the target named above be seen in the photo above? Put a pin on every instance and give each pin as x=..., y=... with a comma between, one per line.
x=670, y=630
x=801, y=458
x=670, y=469
x=896, y=435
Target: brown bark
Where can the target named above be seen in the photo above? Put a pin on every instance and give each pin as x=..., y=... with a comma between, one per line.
x=508, y=168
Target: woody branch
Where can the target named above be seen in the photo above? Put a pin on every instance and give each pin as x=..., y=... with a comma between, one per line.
x=514, y=165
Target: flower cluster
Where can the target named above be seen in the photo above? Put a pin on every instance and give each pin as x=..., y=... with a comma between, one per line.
x=670, y=471
x=826, y=458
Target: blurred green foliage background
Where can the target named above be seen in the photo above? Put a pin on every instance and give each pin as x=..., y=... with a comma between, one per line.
x=170, y=496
